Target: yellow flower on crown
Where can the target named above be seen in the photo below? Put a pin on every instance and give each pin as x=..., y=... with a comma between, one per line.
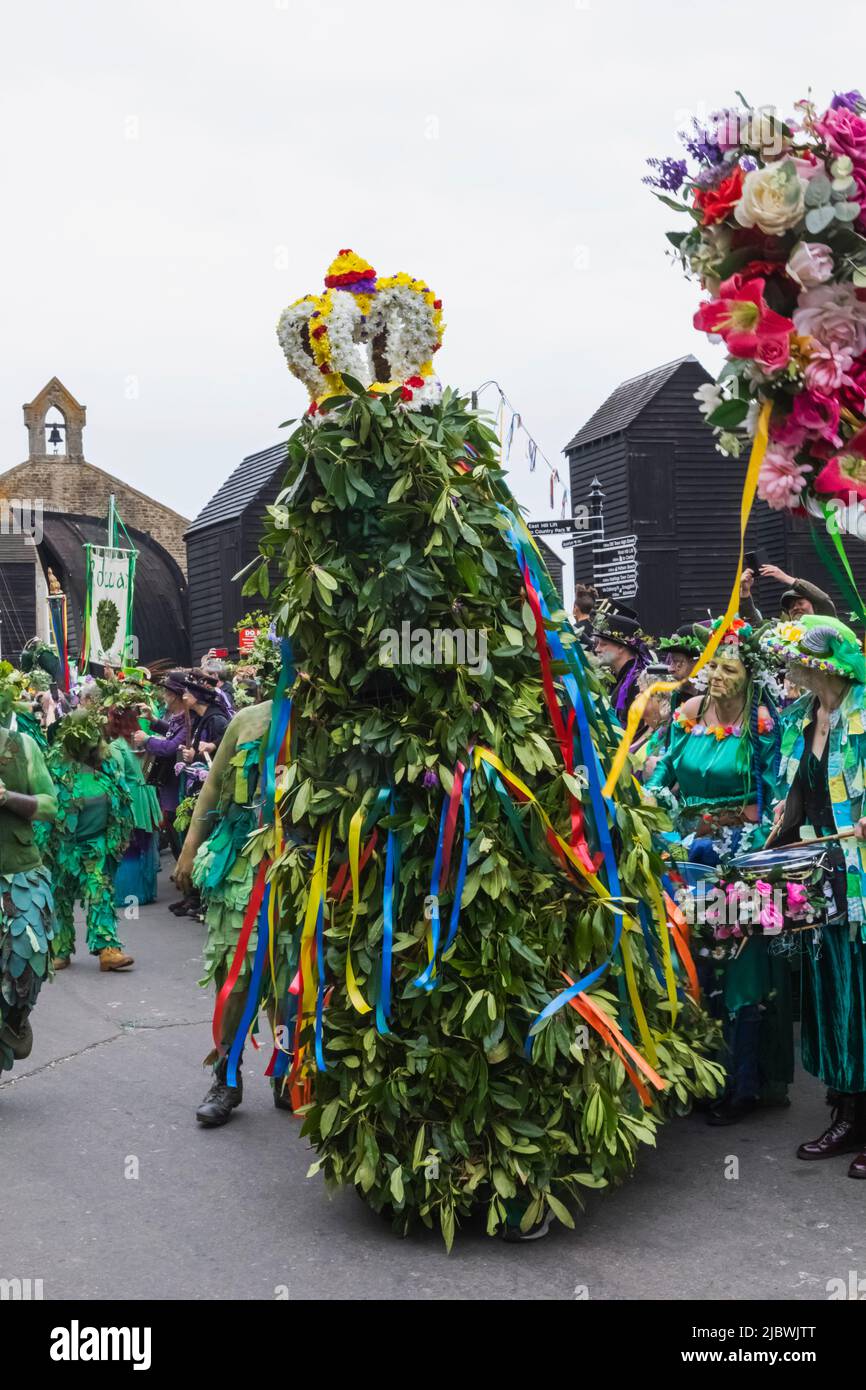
x=381, y=331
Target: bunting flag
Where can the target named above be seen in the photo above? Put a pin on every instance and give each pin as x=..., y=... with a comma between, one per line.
x=514, y=425
x=531, y=453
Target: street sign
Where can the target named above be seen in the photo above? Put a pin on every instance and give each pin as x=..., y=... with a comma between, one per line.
x=563, y=527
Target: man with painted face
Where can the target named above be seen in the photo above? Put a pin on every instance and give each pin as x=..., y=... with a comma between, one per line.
x=621, y=649
x=823, y=766
x=717, y=779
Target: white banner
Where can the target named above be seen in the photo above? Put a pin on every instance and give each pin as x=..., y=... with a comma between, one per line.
x=110, y=585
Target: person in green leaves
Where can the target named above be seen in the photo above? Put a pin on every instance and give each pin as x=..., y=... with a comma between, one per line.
x=717, y=778
x=86, y=842
x=822, y=772
x=26, y=902
x=212, y=860
x=431, y=752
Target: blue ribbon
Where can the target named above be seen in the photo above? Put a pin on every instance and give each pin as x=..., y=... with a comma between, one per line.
x=321, y=1064
x=392, y=874
x=280, y=716
x=426, y=980
x=253, y=992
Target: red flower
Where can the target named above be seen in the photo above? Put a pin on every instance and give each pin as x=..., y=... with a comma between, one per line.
x=325, y=369
x=317, y=332
x=437, y=303
x=716, y=203
x=406, y=394
x=748, y=325
x=415, y=381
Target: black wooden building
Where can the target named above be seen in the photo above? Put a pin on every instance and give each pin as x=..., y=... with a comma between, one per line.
x=224, y=537
x=662, y=480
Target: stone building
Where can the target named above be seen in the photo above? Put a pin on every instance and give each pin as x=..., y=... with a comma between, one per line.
x=55, y=502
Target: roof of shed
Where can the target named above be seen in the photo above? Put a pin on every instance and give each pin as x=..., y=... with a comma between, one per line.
x=241, y=487
x=625, y=403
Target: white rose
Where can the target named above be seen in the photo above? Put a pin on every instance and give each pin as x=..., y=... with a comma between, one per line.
x=810, y=264
x=773, y=199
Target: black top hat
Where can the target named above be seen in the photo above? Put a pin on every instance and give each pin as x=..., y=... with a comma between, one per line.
x=617, y=623
x=206, y=694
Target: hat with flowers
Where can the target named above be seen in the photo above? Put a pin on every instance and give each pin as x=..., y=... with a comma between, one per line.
x=820, y=642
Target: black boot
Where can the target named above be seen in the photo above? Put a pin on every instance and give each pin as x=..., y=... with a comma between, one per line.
x=845, y=1134
x=282, y=1097
x=221, y=1099
x=18, y=1035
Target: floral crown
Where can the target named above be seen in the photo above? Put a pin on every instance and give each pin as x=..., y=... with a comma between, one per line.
x=739, y=640
x=821, y=642
x=681, y=642
x=382, y=331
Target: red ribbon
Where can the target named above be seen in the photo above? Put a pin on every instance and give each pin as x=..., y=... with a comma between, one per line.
x=222, y=998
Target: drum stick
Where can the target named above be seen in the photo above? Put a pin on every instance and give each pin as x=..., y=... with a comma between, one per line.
x=819, y=839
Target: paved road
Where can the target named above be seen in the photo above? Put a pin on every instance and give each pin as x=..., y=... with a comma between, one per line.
x=228, y=1213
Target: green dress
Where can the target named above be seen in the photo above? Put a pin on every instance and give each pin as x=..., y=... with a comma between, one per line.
x=826, y=795
x=706, y=770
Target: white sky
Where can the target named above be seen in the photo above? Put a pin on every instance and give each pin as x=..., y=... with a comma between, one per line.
x=176, y=171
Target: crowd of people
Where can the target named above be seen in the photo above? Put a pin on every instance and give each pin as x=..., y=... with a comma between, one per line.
x=759, y=760
x=758, y=757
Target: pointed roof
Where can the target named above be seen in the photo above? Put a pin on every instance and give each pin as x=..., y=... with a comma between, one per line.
x=625, y=403
x=242, y=487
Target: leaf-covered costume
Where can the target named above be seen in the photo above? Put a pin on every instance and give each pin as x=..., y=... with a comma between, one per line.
x=227, y=813
x=85, y=845
x=138, y=868
x=26, y=903
x=423, y=1093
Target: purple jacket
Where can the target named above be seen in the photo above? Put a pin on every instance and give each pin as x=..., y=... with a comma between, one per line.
x=165, y=751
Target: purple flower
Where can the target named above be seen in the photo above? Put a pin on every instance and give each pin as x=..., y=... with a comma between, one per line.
x=748, y=162
x=851, y=101
x=702, y=144
x=669, y=174
x=430, y=778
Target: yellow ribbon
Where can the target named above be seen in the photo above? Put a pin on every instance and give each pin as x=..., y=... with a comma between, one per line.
x=635, y=714
x=318, y=886
x=664, y=936
x=355, y=827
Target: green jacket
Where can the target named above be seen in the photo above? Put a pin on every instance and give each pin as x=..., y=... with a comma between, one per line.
x=846, y=759
x=22, y=769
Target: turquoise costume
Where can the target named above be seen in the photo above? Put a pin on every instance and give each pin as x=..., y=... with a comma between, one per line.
x=135, y=881
x=707, y=776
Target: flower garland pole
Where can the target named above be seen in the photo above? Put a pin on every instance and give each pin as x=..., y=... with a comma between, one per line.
x=777, y=240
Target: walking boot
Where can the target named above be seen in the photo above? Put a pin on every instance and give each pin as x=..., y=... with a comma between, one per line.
x=282, y=1097
x=112, y=958
x=221, y=1099
x=19, y=1038
x=61, y=963
x=846, y=1133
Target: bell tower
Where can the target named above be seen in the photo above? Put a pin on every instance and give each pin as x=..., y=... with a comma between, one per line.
x=55, y=425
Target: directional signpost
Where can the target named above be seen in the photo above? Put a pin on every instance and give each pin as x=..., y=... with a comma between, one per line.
x=614, y=566
x=556, y=527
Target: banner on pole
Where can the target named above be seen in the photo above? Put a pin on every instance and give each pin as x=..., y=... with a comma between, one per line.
x=108, y=620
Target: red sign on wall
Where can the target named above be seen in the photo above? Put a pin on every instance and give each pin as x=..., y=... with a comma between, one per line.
x=246, y=638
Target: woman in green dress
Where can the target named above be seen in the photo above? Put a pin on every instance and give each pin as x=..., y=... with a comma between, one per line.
x=717, y=779
x=822, y=771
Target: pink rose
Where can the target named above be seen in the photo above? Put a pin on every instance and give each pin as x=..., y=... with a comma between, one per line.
x=797, y=898
x=818, y=414
x=835, y=316
x=845, y=133
x=771, y=919
x=810, y=264
x=788, y=431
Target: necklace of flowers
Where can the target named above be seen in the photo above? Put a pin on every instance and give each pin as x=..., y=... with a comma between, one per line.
x=719, y=731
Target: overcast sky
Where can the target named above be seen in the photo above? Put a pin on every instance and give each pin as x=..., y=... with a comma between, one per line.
x=176, y=171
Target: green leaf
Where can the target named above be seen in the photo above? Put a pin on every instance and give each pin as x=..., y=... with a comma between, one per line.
x=329, y=1115
x=399, y=487
x=560, y=1211
x=396, y=1185
x=729, y=414
x=528, y=618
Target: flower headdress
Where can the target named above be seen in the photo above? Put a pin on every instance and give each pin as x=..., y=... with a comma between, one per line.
x=741, y=641
x=821, y=642
x=381, y=331
x=683, y=640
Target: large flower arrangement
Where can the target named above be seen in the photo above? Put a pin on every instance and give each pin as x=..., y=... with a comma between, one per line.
x=379, y=331
x=777, y=239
